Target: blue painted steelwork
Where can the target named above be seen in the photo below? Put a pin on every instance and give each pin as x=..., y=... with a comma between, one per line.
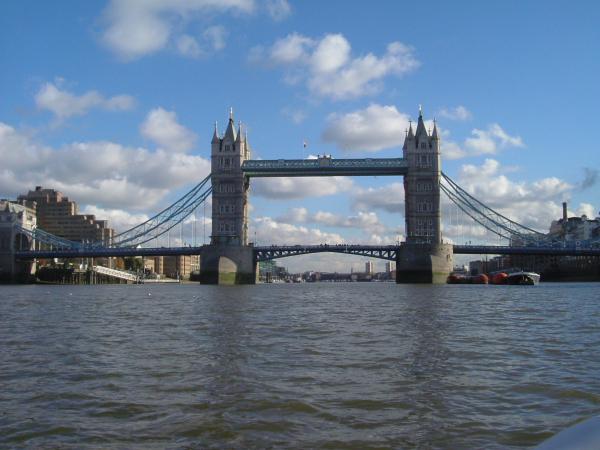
x=324, y=166
x=533, y=251
x=105, y=252
x=49, y=239
x=519, y=235
x=164, y=220
x=140, y=234
x=265, y=253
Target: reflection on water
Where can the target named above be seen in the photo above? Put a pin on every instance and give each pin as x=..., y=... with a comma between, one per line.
x=356, y=365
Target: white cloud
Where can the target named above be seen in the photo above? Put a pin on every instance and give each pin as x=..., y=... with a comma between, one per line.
x=278, y=9
x=119, y=219
x=161, y=126
x=457, y=113
x=290, y=188
x=331, y=54
x=327, y=68
x=534, y=204
x=213, y=40
x=451, y=150
x=188, y=46
x=295, y=215
x=65, y=104
x=389, y=198
x=374, y=128
x=488, y=141
x=216, y=37
x=291, y=49
x=366, y=221
x=270, y=231
x=297, y=116
x=588, y=210
x=138, y=28
x=101, y=173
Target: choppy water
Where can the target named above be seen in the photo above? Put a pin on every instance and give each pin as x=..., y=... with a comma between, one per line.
x=357, y=365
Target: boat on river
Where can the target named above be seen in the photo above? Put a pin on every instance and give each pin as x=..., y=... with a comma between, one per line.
x=523, y=278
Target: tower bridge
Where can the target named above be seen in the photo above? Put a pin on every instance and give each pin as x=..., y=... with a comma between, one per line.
x=231, y=259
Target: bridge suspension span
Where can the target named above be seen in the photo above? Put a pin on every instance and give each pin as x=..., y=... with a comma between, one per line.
x=138, y=235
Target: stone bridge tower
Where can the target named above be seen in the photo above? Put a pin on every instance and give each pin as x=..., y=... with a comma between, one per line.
x=422, y=185
x=423, y=258
x=228, y=259
x=230, y=186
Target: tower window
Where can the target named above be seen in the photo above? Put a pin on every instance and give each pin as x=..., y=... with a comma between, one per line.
x=227, y=148
x=423, y=145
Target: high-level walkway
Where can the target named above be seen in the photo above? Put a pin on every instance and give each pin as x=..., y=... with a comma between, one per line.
x=324, y=167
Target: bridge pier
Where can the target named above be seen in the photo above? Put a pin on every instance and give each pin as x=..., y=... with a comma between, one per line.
x=423, y=263
x=228, y=264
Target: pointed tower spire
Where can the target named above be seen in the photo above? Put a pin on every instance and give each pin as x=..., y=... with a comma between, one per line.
x=434, y=135
x=230, y=131
x=215, y=138
x=410, y=130
x=239, y=132
x=420, y=124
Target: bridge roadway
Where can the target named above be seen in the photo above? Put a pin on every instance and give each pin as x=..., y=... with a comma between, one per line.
x=324, y=166
x=264, y=253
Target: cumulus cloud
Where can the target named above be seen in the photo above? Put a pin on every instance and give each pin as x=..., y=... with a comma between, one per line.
x=269, y=230
x=64, y=104
x=490, y=140
x=374, y=128
x=188, y=46
x=457, y=113
x=161, y=127
x=534, y=204
x=451, y=150
x=389, y=198
x=367, y=221
x=138, y=28
x=118, y=219
x=213, y=39
x=278, y=9
x=328, y=69
x=293, y=188
x=101, y=173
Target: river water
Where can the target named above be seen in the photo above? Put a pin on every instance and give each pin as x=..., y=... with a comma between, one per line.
x=328, y=365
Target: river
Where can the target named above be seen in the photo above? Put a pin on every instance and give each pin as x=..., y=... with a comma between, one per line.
x=325, y=365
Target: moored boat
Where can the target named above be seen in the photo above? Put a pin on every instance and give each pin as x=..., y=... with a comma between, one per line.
x=456, y=278
x=523, y=278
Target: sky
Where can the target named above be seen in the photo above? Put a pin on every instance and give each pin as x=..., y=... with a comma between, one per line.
x=114, y=103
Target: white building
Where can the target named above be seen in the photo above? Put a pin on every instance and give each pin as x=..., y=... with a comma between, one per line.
x=575, y=228
x=12, y=217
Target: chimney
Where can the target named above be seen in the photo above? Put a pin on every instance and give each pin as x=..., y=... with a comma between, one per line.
x=38, y=188
x=564, y=211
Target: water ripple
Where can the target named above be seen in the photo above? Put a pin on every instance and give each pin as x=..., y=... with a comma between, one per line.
x=351, y=366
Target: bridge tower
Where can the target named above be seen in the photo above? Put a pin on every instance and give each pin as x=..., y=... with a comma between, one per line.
x=423, y=258
x=228, y=259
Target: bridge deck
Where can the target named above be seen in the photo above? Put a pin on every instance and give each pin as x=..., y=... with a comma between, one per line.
x=263, y=253
x=324, y=166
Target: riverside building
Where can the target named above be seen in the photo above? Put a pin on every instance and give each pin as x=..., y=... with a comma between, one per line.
x=58, y=215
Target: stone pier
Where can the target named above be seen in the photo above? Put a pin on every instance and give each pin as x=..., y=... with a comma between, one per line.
x=227, y=264
x=424, y=263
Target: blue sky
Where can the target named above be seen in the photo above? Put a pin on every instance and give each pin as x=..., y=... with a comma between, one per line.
x=113, y=103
